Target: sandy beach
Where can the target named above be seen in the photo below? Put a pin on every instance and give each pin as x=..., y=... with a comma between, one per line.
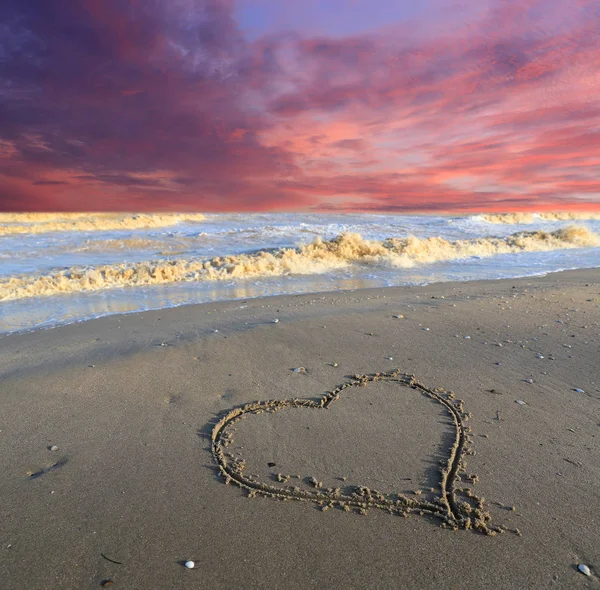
x=132, y=488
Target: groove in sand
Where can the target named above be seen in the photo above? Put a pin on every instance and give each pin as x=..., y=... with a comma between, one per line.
x=454, y=512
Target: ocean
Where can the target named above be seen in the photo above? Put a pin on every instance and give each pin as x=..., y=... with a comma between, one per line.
x=62, y=268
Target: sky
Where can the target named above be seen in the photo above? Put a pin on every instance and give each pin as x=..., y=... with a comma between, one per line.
x=280, y=105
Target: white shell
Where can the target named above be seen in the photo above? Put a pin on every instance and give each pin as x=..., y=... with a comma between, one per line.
x=300, y=370
x=190, y=564
x=578, y=390
x=521, y=402
x=426, y=329
x=584, y=569
x=54, y=448
x=275, y=321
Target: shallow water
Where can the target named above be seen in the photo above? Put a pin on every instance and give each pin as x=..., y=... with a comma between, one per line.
x=53, y=276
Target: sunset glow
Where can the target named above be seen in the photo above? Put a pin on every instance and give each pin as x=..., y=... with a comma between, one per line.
x=277, y=105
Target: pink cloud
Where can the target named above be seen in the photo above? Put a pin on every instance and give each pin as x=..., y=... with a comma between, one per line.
x=171, y=106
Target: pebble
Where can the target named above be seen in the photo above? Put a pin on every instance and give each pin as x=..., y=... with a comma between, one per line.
x=398, y=317
x=467, y=337
x=389, y=358
x=426, y=329
x=300, y=370
x=521, y=402
x=215, y=331
x=275, y=321
x=530, y=380
x=578, y=390
x=540, y=356
x=190, y=565
x=334, y=364
x=584, y=569
x=54, y=448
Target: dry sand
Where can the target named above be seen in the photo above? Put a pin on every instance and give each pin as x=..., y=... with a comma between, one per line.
x=131, y=401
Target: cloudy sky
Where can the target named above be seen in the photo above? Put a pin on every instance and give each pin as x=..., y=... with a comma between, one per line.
x=330, y=105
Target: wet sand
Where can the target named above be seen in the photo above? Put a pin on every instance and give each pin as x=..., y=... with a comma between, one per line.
x=131, y=403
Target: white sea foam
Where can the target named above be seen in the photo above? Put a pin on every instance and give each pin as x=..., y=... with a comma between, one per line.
x=58, y=268
x=320, y=256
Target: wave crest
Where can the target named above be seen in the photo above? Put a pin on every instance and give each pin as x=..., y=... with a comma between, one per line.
x=317, y=257
x=533, y=217
x=38, y=223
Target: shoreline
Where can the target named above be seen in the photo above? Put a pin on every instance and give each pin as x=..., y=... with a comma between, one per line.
x=130, y=401
x=310, y=293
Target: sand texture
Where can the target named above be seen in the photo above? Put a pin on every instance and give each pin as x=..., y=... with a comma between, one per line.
x=440, y=436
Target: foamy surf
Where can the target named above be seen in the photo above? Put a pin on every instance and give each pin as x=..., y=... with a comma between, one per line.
x=320, y=256
x=40, y=223
x=520, y=218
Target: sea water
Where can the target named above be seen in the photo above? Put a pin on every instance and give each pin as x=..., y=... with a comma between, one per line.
x=57, y=269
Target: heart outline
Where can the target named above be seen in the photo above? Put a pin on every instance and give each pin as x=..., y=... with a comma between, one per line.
x=455, y=514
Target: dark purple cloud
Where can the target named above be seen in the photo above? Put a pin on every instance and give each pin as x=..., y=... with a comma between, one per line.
x=177, y=104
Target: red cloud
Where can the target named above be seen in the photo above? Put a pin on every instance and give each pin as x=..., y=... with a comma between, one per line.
x=123, y=105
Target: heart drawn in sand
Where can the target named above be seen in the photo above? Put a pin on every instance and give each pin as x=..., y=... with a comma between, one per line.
x=457, y=508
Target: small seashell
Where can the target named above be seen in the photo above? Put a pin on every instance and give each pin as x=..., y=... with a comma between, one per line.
x=215, y=331
x=299, y=370
x=578, y=390
x=521, y=402
x=467, y=337
x=398, y=317
x=426, y=329
x=190, y=565
x=529, y=380
x=584, y=569
x=275, y=321
x=540, y=356
x=54, y=448
x=389, y=358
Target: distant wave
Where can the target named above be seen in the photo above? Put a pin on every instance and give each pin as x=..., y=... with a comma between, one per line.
x=318, y=257
x=535, y=217
x=38, y=223
x=162, y=247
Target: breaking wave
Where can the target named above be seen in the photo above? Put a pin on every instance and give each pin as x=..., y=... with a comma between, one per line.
x=535, y=217
x=318, y=257
x=38, y=223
